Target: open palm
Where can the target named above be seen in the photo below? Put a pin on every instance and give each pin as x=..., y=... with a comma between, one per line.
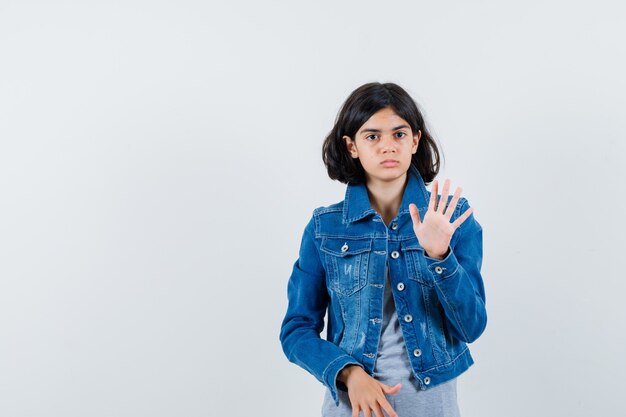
x=435, y=231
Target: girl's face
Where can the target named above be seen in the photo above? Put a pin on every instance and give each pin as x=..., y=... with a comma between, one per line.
x=384, y=145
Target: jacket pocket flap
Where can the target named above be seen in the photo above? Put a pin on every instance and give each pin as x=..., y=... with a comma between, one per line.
x=343, y=247
x=411, y=244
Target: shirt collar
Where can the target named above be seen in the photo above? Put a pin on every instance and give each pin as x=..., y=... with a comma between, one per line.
x=357, y=204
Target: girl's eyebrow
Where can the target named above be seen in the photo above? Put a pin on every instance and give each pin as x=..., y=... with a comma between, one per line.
x=378, y=130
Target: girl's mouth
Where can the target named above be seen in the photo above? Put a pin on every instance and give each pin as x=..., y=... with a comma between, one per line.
x=390, y=163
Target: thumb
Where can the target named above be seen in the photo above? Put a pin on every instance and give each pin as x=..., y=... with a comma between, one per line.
x=388, y=389
x=415, y=214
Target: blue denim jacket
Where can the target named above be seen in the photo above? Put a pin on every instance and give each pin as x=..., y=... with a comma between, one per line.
x=344, y=251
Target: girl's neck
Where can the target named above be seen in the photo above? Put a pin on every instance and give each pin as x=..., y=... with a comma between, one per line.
x=386, y=196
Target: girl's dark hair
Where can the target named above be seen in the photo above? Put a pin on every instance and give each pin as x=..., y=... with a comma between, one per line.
x=357, y=109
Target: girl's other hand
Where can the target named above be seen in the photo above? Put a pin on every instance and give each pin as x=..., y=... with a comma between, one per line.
x=435, y=231
x=368, y=394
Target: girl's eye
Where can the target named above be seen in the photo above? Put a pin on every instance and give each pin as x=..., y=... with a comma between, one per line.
x=400, y=135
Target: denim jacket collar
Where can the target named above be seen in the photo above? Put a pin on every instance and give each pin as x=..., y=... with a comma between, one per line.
x=357, y=203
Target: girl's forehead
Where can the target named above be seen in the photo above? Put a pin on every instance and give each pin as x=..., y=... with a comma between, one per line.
x=385, y=119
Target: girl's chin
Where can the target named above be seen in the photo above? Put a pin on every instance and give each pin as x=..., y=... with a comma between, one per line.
x=387, y=174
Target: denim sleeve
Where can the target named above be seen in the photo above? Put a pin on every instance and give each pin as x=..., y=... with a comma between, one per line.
x=458, y=281
x=304, y=321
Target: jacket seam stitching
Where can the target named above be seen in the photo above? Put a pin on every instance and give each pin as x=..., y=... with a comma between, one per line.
x=454, y=311
x=324, y=374
x=448, y=363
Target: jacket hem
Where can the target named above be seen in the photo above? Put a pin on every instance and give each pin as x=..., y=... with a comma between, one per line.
x=443, y=373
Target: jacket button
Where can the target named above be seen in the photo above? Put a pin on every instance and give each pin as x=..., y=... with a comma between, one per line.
x=394, y=226
x=438, y=269
x=408, y=318
x=395, y=254
x=344, y=247
x=400, y=286
x=417, y=352
x=427, y=380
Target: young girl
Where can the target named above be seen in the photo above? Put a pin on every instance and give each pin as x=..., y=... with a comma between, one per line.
x=396, y=267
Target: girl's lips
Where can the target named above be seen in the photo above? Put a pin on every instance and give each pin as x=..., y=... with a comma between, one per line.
x=390, y=163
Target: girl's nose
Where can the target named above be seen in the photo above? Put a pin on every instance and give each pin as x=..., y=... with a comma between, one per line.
x=387, y=142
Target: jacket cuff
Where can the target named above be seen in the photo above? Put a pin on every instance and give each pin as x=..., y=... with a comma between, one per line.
x=442, y=268
x=332, y=372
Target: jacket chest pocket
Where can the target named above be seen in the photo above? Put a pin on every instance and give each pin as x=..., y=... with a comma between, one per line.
x=346, y=263
x=415, y=263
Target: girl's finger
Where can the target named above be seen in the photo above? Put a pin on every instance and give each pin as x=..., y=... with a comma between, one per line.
x=444, y=196
x=452, y=205
x=378, y=411
x=433, y=197
x=462, y=217
x=415, y=214
x=388, y=389
x=388, y=408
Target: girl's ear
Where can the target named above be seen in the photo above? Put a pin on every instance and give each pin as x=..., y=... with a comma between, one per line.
x=416, y=140
x=351, y=146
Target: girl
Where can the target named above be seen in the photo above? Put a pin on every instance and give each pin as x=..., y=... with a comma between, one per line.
x=396, y=267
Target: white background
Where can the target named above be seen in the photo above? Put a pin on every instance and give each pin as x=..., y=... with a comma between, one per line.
x=159, y=161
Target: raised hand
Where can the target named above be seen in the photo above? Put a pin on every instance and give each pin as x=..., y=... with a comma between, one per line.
x=435, y=231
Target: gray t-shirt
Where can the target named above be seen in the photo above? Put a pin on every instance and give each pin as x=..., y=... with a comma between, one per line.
x=392, y=362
